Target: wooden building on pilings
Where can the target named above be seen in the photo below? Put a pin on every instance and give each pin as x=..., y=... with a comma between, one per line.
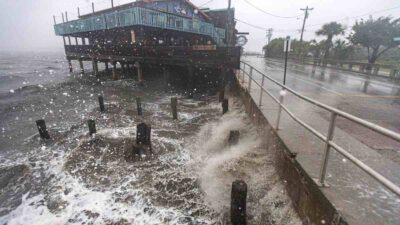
x=159, y=32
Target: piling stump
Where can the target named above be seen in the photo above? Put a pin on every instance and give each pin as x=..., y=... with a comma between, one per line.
x=92, y=127
x=106, y=66
x=225, y=105
x=238, y=203
x=81, y=66
x=139, y=106
x=141, y=148
x=233, y=137
x=41, y=125
x=70, y=66
x=174, y=105
x=101, y=104
x=143, y=134
x=114, y=71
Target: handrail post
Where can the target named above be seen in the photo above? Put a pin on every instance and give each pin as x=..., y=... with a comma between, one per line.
x=325, y=157
x=261, y=89
x=250, y=78
x=244, y=71
x=282, y=94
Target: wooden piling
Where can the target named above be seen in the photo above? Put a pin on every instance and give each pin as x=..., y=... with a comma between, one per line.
x=123, y=68
x=139, y=106
x=106, y=65
x=81, y=66
x=238, y=203
x=166, y=77
x=191, y=81
x=174, y=107
x=225, y=106
x=101, y=104
x=94, y=65
x=92, y=127
x=140, y=73
x=41, y=125
x=114, y=71
x=70, y=66
x=143, y=134
x=233, y=137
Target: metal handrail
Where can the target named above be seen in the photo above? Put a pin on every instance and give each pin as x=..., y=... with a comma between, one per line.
x=329, y=137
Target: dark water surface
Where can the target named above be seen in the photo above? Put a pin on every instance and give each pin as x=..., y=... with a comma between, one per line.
x=74, y=179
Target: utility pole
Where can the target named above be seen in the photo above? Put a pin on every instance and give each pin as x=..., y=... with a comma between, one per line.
x=269, y=34
x=304, y=21
x=286, y=48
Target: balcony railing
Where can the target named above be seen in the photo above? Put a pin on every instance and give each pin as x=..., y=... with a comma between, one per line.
x=140, y=16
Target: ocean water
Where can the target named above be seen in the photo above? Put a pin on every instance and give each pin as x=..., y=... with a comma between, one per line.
x=77, y=179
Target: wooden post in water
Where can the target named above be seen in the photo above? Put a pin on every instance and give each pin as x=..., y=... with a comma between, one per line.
x=225, y=106
x=233, y=137
x=174, y=107
x=166, y=77
x=192, y=81
x=106, y=65
x=114, y=70
x=238, y=203
x=140, y=72
x=70, y=66
x=41, y=125
x=143, y=134
x=81, y=65
x=139, y=106
x=123, y=68
x=101, y=104
x=92, y=127
x=95, y=70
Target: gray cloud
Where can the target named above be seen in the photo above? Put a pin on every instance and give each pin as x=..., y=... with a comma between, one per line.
x=27, y=24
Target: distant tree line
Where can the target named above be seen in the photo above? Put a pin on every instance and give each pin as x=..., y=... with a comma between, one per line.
x=368, y=41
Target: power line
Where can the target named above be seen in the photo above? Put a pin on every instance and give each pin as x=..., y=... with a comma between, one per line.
x=270, y=14
x=251, y=25
x=206, y=3
x=266, y=29
x=354, y=17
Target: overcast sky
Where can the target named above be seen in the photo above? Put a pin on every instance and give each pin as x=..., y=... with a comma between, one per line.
x=27, y=24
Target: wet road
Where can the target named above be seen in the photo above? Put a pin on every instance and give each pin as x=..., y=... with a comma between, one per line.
x=377, y=101
x=360, y=198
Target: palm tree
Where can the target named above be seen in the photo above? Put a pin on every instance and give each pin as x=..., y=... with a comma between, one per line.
x=329, y=30
x=342, y=50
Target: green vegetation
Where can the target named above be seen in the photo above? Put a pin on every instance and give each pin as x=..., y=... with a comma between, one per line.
x=330, y=30
x=376, y=35
x=370, y=41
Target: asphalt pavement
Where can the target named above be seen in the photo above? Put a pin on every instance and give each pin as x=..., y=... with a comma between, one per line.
x=360, y=198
